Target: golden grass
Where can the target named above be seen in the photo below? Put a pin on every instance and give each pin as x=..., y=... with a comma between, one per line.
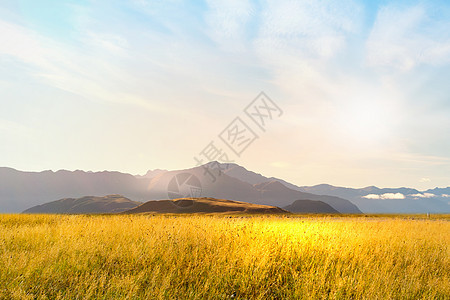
x=220, y=257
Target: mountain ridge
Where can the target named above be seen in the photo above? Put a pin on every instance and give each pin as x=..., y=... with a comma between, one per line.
x=216, y=181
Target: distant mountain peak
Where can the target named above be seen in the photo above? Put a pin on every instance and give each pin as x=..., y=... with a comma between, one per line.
x=370, y=188
x=216, y=162
x=324, y=185
x=152, y=173
x=272, y=184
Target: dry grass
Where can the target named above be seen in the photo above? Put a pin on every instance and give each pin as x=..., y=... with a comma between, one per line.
x=219, y=257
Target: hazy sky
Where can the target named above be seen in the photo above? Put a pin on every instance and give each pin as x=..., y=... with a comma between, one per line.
x=135, y=85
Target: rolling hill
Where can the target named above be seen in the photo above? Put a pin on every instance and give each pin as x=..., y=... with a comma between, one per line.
x=85, y=205
x=203, y=205
x=310, y=206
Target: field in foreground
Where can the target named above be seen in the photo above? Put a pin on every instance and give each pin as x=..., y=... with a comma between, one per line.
x=220, y=257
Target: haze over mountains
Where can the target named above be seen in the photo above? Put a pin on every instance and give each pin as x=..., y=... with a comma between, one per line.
x=389, y=200
x=369, y=199
x=22, y=190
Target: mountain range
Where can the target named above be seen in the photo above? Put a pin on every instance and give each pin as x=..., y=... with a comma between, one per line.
x=389, y=200
x=21, y=190
x=369, y=199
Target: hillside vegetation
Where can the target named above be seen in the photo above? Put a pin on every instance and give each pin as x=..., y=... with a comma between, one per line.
x=204, y=205
x=223, y=257
x=85, y=205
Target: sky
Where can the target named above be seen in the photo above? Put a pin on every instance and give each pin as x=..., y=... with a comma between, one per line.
x=362, y=87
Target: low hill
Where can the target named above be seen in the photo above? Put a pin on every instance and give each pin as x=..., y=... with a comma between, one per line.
x=310, y=206
x=85, y=205
x=203, y=205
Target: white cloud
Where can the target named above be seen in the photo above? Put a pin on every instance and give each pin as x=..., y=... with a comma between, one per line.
x=227, y=23
x=108, y=43
x=306, y=54
x=385, y=196
x=445, y=195
x=295, y=40
x=402, y=38
x=93, y=74
x=424, y=195
x=155, y=7
x=306, y=28
x=425, y=180
x=16, y=41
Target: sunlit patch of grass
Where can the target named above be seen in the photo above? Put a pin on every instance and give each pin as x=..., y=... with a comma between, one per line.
x=207, y=256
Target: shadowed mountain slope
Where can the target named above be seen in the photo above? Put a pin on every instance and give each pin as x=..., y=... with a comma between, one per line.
x=310, y=206
x=215, y=183
x=277, y=190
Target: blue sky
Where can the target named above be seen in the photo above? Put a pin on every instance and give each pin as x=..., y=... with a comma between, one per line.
x=137, y=85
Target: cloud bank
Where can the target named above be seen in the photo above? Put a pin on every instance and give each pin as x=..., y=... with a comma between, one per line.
x=386, y=196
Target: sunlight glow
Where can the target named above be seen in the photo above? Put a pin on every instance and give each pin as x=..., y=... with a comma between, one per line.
x=365, y=120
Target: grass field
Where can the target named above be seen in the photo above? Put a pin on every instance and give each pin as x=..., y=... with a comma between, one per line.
x=220, y=257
